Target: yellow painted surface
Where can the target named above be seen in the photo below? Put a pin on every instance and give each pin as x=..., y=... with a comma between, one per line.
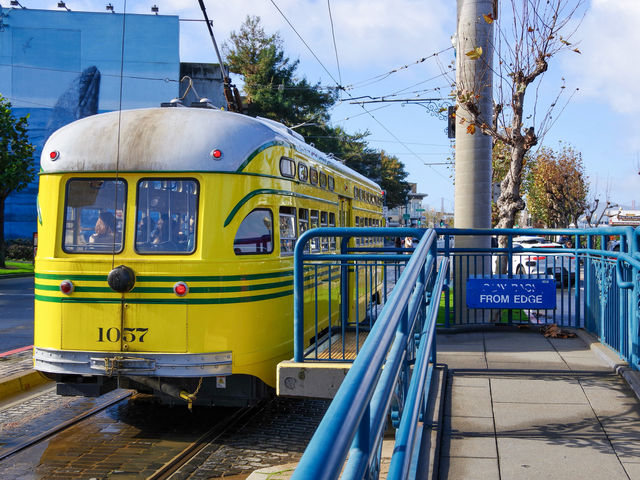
x=21, y=383
x=218, y=313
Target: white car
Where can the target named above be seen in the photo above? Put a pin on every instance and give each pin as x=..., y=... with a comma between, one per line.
x=562, y=266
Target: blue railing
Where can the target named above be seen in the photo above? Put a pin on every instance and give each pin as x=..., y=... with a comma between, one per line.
x=598, y=290
x=356, y=419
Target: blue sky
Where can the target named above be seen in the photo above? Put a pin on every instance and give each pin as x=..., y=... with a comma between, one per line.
x=374, y=37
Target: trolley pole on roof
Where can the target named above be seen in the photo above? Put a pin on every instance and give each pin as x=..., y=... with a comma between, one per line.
x=231, y=94
x=473, y=149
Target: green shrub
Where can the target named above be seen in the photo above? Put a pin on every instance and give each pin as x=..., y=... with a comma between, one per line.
x=20, y=249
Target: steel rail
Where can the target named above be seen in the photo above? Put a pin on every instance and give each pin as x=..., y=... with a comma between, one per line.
x=64, y=425
x=219, y=429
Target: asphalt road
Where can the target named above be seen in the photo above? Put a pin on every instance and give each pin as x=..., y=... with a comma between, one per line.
x=16, y=313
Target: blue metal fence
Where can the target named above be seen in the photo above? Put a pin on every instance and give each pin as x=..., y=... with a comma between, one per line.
x=357, y=417
x=597, y=289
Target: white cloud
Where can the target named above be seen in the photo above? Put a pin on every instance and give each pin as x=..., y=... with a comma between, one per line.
x=374, y=34
x=608, y=68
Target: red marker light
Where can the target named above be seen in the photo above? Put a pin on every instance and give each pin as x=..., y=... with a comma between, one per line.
x=66, y=287
x=216, y=154
x=54, y=155
x=180, y=289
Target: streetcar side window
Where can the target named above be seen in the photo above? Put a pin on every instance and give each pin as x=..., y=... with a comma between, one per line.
x=332, y=223
x=94, y=215
x=315, y=244
x=303, y=172
x=287, y=167
x=287, y=230
x=255, y=234
x=313, y=176
x=324, y=241
x=166, y=216
x=323, y=180
x=303, y=224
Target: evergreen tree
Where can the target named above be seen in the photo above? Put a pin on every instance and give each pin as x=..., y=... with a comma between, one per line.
x=270, y=85
x=273, y=91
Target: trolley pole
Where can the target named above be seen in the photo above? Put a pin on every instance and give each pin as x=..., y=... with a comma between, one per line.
x=473, y=150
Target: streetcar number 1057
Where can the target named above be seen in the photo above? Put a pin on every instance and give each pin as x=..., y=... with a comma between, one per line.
x=128, y=335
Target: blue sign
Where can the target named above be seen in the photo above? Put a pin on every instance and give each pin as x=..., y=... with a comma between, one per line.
x=528, y=293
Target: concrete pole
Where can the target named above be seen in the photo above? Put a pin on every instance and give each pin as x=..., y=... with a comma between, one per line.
x=473, y=151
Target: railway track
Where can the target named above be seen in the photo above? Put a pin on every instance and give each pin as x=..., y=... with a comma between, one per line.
x=131, y=436
x=168, y=469
x=31, y=441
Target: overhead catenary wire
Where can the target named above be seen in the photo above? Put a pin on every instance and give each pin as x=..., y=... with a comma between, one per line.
x=382, y=76
x=115, y=75
x=306, y=44
x=335, y=47
x=384, y=127
x=120, y=95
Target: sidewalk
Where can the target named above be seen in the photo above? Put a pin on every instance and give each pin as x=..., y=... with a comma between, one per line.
x=522, y=406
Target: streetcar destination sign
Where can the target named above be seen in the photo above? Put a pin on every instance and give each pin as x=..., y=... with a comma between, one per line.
x=529, y=293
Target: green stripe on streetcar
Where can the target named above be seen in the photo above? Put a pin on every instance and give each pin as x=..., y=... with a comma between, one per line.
x=186, y=301
x=170, y=278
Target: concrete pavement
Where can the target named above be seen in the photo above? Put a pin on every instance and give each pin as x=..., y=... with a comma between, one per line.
x=517, y=406
x=521, y=406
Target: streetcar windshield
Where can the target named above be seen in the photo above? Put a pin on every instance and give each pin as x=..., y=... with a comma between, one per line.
x=94, y=215
x=166, y=216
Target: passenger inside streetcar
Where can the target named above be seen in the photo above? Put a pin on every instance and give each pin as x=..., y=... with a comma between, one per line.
x=104, y=229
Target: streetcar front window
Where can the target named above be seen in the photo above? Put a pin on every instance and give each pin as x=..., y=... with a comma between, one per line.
x=94, y=215
x=166, y=216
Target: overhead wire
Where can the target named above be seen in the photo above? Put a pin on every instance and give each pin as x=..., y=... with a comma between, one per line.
x=333, y=35
x=384, y=127
x=382, y=76
x=306, y=44
x=115, y=75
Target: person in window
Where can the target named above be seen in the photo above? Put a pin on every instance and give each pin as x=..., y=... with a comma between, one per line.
x=104, y=229
x=145, y=229
x=161, y=234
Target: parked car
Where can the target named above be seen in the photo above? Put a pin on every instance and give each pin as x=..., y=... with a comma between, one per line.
x=561, y=266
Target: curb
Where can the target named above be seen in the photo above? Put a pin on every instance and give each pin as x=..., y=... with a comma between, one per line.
x=618, y=365
x=279, y=472
x=15, y=275
x=21, y=382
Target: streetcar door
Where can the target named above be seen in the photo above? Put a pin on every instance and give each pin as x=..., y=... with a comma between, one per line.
x=345, y=212
x=344, y=220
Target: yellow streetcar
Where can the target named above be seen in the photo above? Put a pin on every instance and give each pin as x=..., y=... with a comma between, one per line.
x=165, y=260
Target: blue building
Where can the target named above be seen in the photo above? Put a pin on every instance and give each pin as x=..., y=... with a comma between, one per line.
x=60, y=66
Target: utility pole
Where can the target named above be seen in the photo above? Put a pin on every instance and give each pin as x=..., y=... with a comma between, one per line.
x=473, y=148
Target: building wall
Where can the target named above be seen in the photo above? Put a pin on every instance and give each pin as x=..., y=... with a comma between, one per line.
x=59, y=66
x=206, y=81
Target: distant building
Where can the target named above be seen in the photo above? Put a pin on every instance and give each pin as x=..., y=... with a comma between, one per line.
x=620, y=218
x=206, y=83
x=60, y=66
x=410, y=214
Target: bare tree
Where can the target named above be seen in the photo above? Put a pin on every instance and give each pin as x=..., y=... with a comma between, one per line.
x=527, y=37
x=591, y=214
